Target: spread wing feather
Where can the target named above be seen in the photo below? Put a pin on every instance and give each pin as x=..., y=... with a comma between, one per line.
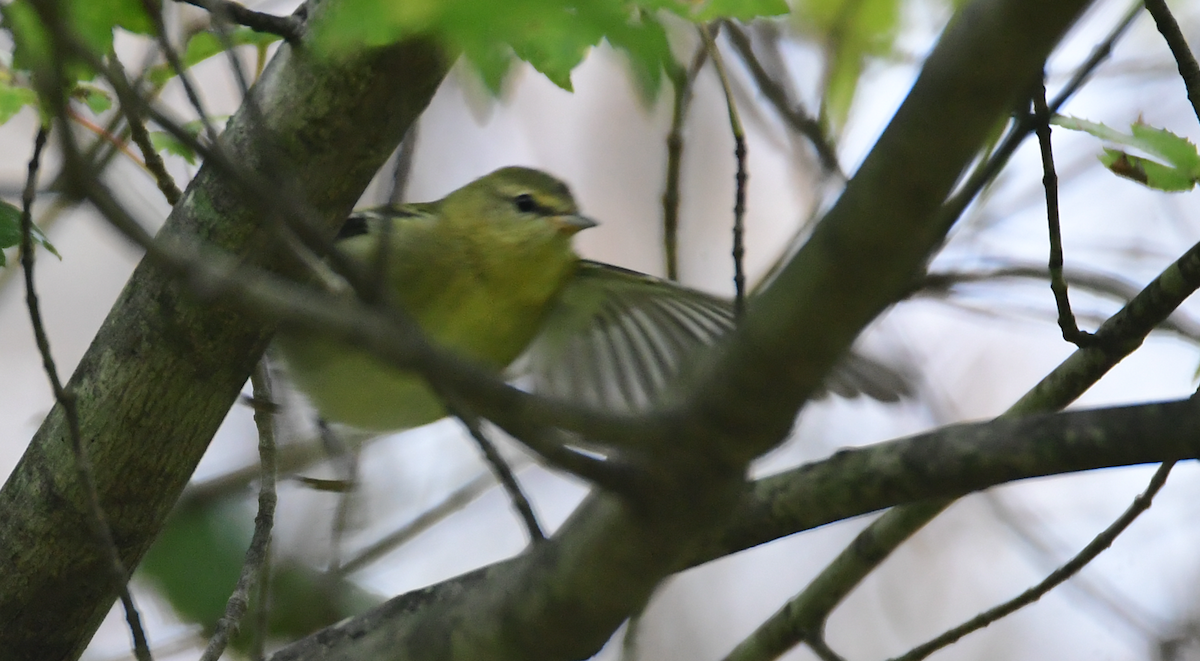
x=618, y=339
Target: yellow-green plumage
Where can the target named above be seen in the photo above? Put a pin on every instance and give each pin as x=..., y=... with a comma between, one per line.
x=489, y=272
x=476, y=270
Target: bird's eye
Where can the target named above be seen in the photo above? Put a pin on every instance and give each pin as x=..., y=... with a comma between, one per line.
x=524, y=203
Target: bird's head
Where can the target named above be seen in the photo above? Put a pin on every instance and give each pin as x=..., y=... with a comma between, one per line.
x=519, y=203
x=513, y=225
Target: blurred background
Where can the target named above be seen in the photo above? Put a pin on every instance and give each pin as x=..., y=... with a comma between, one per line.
x=972, y=350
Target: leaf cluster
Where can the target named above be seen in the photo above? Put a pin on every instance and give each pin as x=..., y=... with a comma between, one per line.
x=551, y=35
x=10, y=232
x=1173, y=166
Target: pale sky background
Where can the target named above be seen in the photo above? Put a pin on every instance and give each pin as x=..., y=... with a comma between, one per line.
x=973, y=363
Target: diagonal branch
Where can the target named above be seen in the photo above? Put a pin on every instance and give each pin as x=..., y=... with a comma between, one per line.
x=949, y=462
x=165, y=368
x=559, y=600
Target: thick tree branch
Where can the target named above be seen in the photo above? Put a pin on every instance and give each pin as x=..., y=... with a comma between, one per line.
x=957, y=460
x=164, y=369
x=866, y=252
x=949, y=462
x=564, y=598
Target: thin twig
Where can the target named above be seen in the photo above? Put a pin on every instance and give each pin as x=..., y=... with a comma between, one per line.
x=504, y=474
x=291, y=28
x=221, y=15
x=168, y=51
x=1101, y=284
x=403, y=165
x=260, y=541
x=986, y=171
x=822, y=649
x=208, y=272
x=1056, y=578
x=1094, y=592
x=258, y=190
x=347, y=461
x=457, y=500
x=262, y=611
x=739, y=151
x=793, y=112
x=1058, y=285
x=1189, y=69
x=806, y=613
x=66, y=399
x=153, y=162
x=682, y=81
x=106, y=136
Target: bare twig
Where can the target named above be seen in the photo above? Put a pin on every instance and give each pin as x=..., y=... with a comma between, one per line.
x=1189, y=69
x=106, y=136
x=987, y=170
x=1058, y=285
x=822, y=649
x=290, y=28
x=792, y=111
x=164, y=44
x=804, y=616
x=457, y=500
x=258, y=189
x=235, y=63
x=682, y=81
x=260, y=542
x=153, y=162
x=1098, y=283
x=403, y=165
x=347, y=462
x=262, y=611
x=504, y=474
x=66, y=399
x=739, y=150
x=1097, y=594
x=1056, y=578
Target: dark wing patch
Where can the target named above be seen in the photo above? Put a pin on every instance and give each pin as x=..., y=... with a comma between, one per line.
x=359, y=222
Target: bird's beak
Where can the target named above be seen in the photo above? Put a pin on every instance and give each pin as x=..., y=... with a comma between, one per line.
x=570, y=224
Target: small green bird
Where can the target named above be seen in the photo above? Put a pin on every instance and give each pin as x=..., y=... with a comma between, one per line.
x=489, y=272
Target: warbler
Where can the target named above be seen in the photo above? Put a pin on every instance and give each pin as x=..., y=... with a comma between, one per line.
x=489, y=272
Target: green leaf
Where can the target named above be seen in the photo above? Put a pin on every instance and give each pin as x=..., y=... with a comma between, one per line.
x=840, y=86
x=96, y=99
x=10, y=231
x=741, y=10
x=551, y=35
x=1182, y=162
x=1147, y=172
x=168, y=143
x=645, y=45
x=1174, y=149
x=93, y=21
x=354, y=24
x=204, y=45
x=555, y=47
x=852, y=32
x=10, y=227
x=492, y=62
x=31, y=43
x=12, y=99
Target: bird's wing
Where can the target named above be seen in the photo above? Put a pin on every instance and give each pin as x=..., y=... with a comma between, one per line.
x=617, y=339
x=360, y=221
